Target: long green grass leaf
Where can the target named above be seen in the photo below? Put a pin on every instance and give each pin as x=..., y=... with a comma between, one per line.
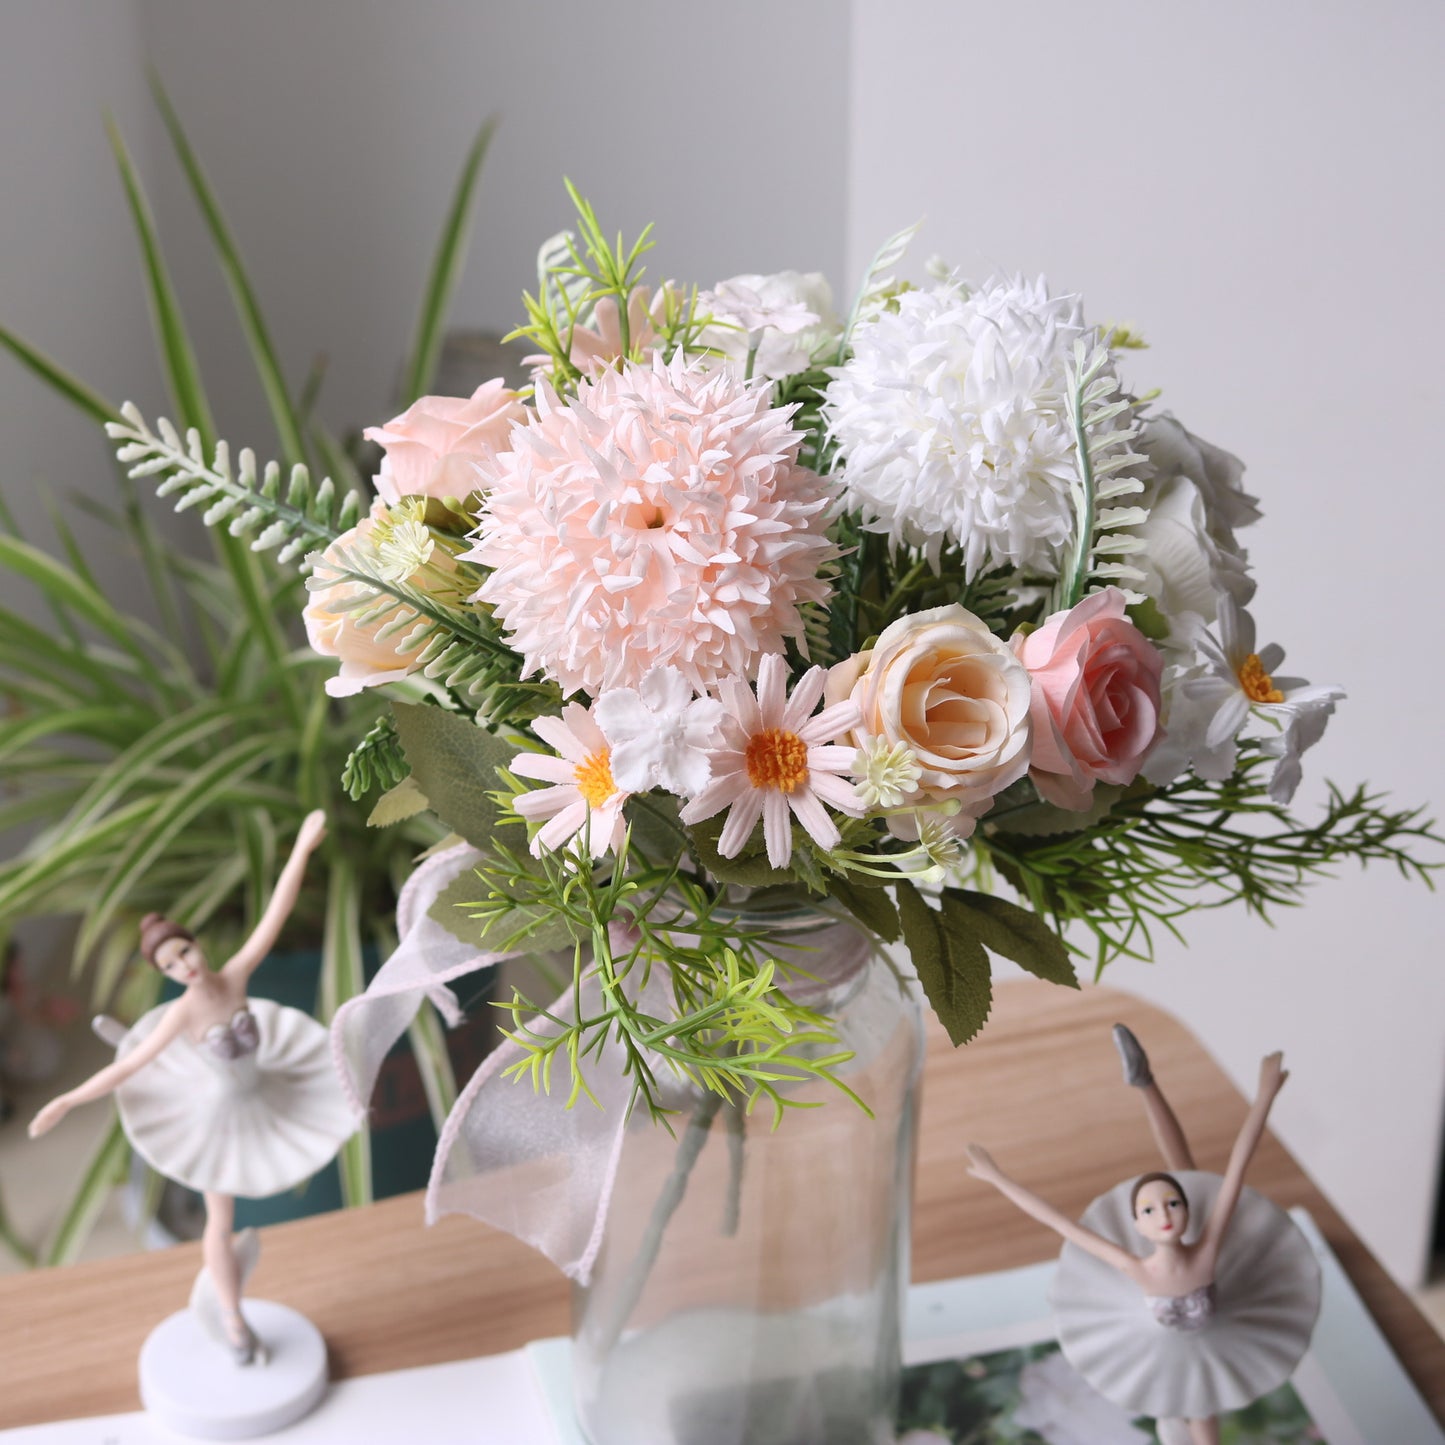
x=12, y=1241
x=451, y=251
x=99, y=723
x=58, y=379
x=219, y=774
x=166, y=739
x=58, y=582
x=183, y=374
x=343, y=977
x=106, y=1169
x=183, y=378
x=433, y=1063
x=248, y=310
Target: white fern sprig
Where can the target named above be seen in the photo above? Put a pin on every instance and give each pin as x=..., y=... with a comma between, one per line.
x=247, y=499
x=878, y=279
x=1102, y=454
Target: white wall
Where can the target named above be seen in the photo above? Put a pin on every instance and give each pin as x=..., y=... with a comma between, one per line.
x=334, y=131
x=1259, y=187
x=69, y=279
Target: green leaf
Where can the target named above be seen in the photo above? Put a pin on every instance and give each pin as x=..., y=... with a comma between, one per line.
x=446, y=266
x=63, y=586
x=100, y=722
x=58, y=379
x=656, y=831
x=398, y=804
x=520, y=928
x=158, y=744
x=106, y=1169
x=1016, y=933
x=1039, y=819
x=343, y=977
x=12, y=1241
x=219, y=775
x=263, y=353
x=455, y=764
x=433, y=1063
x=183, y=375
x=951, y=964
x=872, y=907
x=750, y=869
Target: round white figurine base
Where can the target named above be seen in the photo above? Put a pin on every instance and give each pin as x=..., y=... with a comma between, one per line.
x=191, y=1386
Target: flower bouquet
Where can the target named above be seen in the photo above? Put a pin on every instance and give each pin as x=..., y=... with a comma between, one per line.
x=917, y=622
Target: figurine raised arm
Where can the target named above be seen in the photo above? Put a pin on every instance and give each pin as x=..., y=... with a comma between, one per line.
x=222, y=1094
x=1145, y=1232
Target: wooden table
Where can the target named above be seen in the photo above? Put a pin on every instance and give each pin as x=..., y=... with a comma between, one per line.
x=1042, y=1085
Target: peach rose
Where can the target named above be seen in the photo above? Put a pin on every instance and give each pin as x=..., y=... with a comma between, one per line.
x=366, y=659
x=943, y=685
x=1095, y=699
x=433, y=447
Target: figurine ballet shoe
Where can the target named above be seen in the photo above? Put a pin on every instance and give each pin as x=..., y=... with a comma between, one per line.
x=242, y=1341
x=228, y=1327
x=1133, y=1057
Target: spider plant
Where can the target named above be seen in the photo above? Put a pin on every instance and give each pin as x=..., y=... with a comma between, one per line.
x=165, y=764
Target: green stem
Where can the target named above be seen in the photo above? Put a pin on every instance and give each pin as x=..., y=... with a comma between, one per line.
x=689, y=1147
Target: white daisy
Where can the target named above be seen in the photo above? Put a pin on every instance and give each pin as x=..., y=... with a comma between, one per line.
x=1212, y=701
x=776, y=759
x=584, y=793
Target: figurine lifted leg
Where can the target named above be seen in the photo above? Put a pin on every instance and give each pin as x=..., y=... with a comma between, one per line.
x=1177, y=1279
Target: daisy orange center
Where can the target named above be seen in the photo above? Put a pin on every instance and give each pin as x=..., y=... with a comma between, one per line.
x=594, y=778
x=1258, y=685
x=778, y=759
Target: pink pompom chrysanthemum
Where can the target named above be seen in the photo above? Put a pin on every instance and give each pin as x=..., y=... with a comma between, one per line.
x=659, y=518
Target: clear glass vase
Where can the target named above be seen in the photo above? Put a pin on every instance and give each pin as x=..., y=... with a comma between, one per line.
x=750, y=1285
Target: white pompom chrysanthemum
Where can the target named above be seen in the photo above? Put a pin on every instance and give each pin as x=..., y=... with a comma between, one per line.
x=952, y=424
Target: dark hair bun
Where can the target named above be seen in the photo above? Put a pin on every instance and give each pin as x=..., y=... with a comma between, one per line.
x=156, y=929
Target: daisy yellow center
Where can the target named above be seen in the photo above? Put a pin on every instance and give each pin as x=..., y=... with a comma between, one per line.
x=1258, y=685
x=777, y=759
x=594, y=778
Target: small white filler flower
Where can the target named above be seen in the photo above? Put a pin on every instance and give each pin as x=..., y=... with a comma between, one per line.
x=660, y=733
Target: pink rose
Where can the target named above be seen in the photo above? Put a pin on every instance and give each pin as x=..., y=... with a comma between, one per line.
x=433, y=447
x=1095, y=704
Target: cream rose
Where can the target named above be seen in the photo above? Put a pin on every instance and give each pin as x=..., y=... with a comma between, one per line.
x=940, y=683
x=433, y=447
x=366, y=659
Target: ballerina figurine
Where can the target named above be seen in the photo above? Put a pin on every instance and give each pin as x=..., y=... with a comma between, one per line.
x=224, y=1095
x=1219, y=1307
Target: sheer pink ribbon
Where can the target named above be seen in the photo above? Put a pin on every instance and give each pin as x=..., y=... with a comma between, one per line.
x=507, y=1155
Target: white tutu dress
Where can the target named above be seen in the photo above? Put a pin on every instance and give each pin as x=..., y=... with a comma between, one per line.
x=1203, y=1353
x=251, y=1110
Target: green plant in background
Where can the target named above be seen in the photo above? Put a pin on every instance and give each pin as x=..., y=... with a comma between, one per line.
x=164, y=765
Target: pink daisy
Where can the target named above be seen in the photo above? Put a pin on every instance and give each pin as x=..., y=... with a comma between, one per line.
x=777, y=759
x=583, y=788
x=660, y=518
